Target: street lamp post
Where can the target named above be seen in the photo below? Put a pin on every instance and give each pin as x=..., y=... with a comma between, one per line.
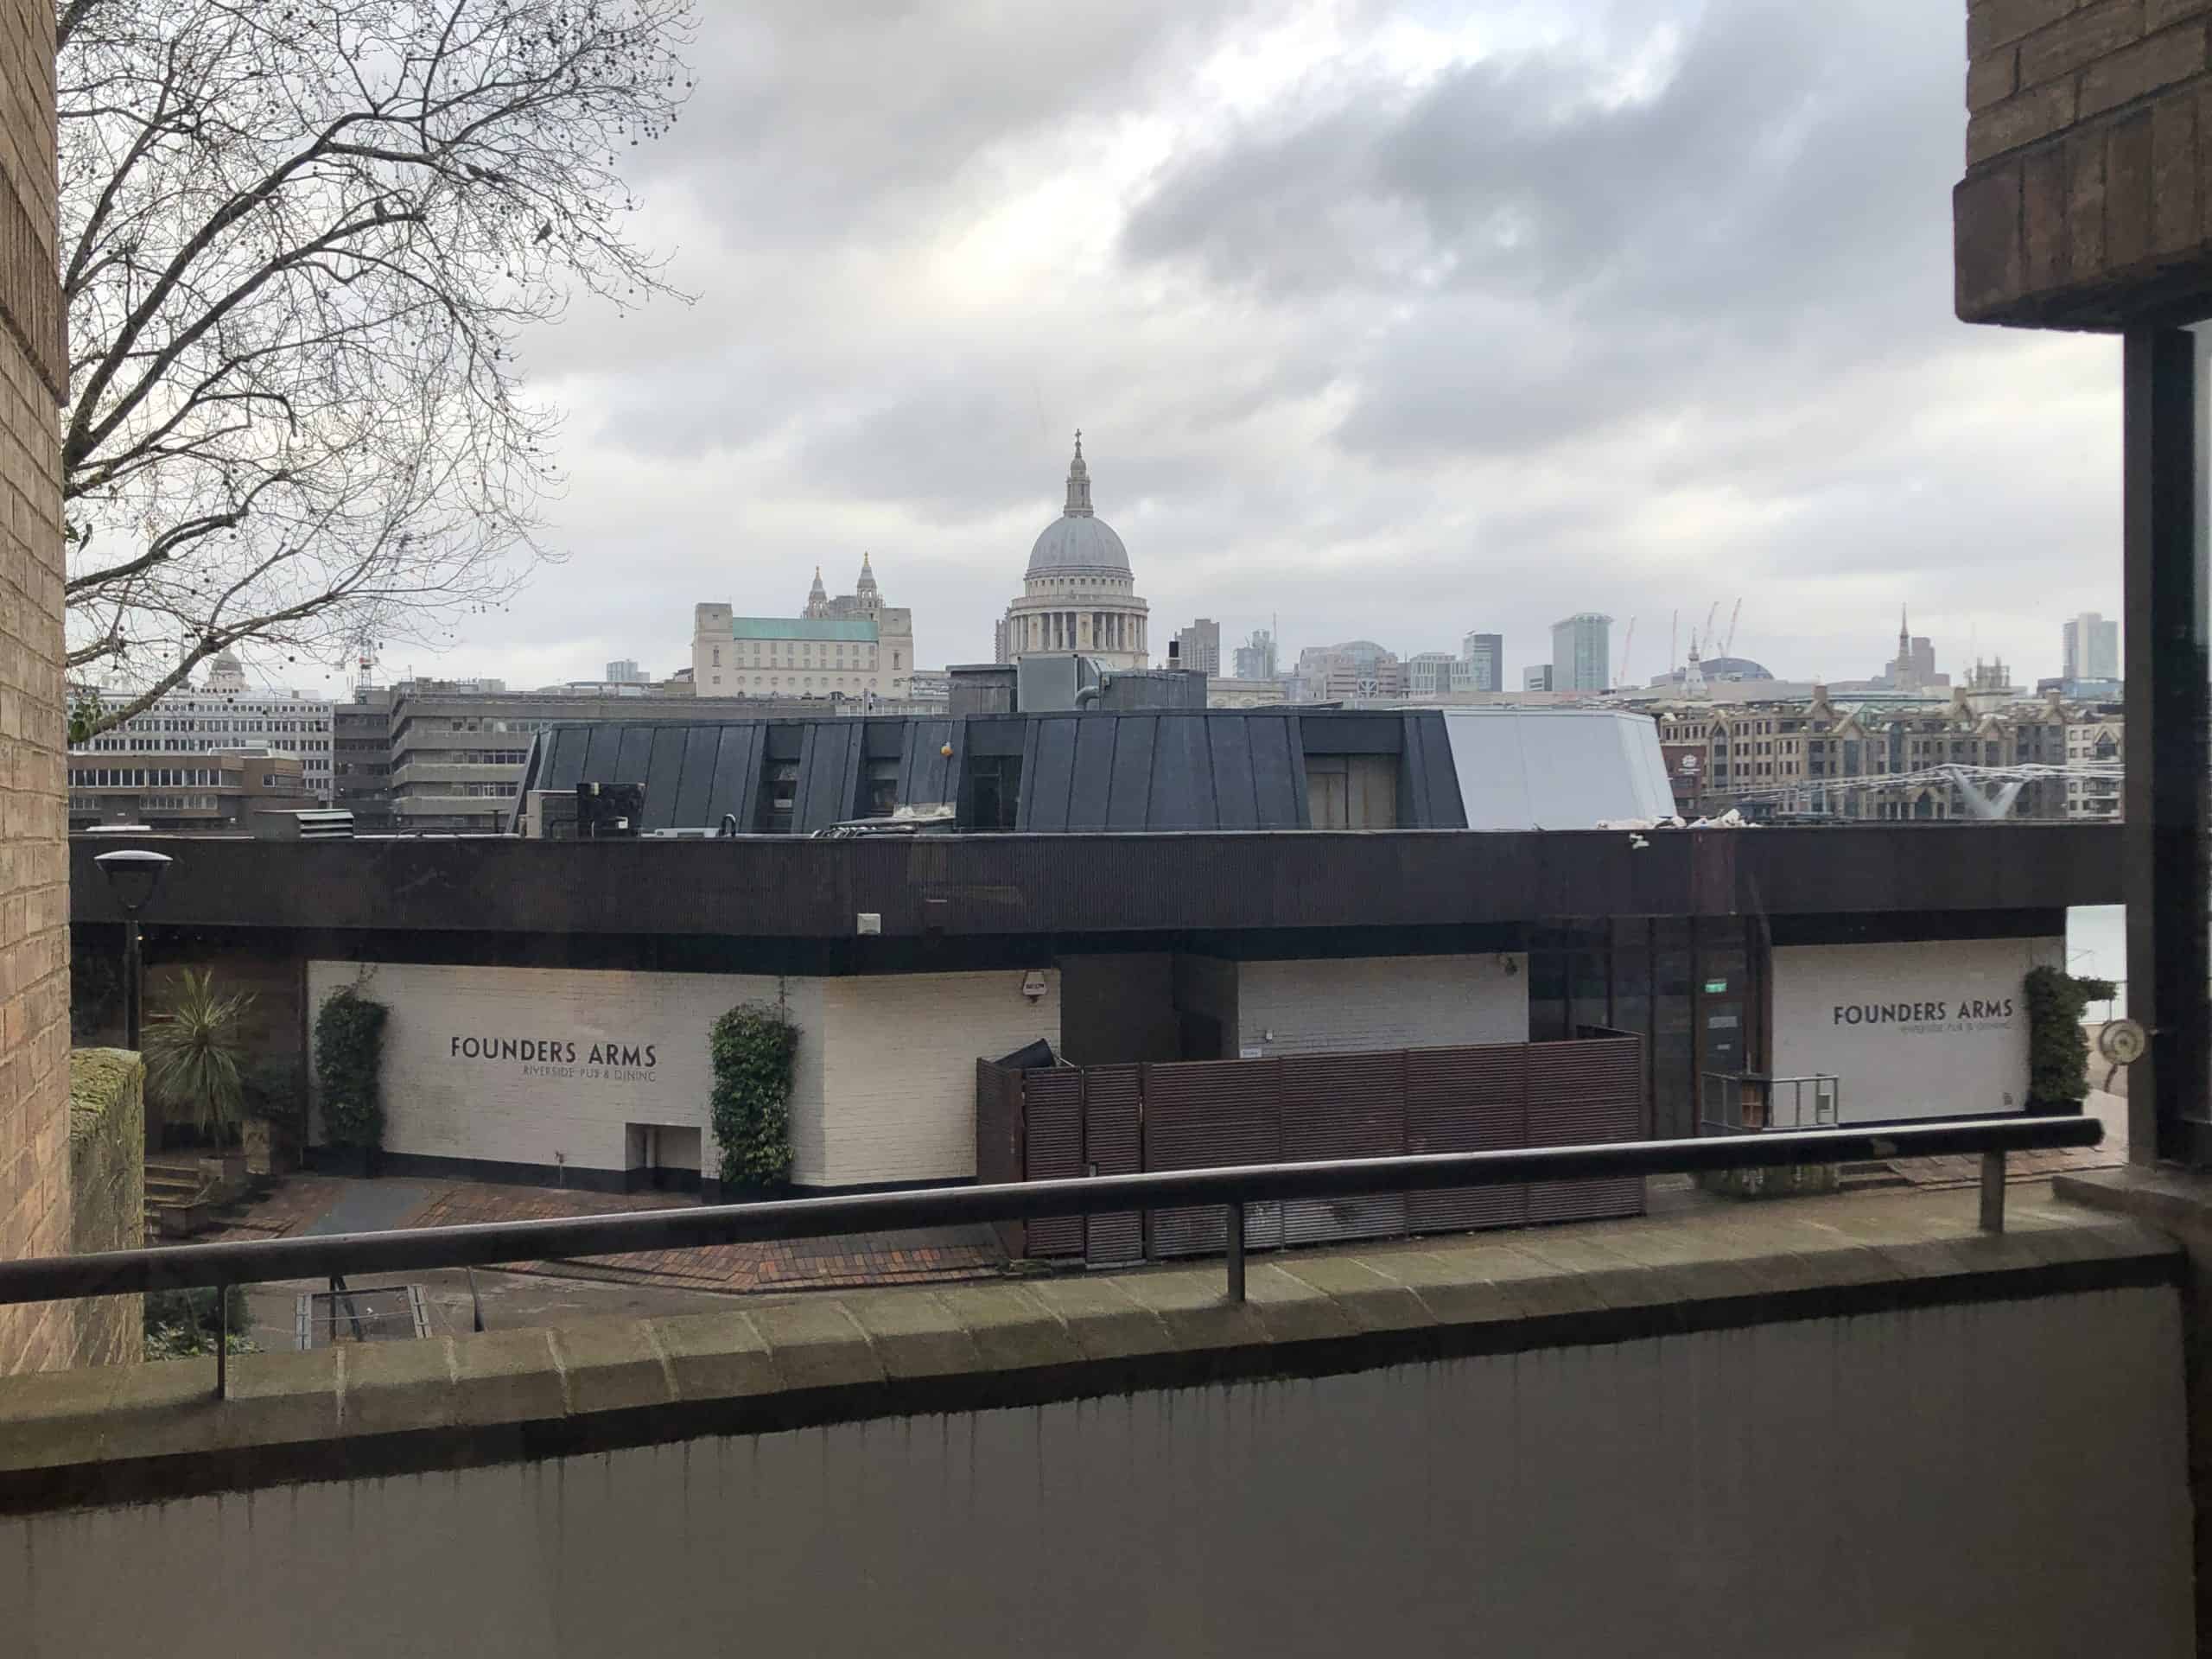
x=132, y=875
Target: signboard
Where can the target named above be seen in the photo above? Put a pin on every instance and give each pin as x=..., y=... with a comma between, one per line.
x=541, y=1065
x=1911, y=1030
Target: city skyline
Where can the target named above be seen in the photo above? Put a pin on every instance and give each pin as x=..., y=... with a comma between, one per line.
x=1164, y=251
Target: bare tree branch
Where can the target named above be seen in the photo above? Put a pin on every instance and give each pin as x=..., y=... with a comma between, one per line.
x=302, y=244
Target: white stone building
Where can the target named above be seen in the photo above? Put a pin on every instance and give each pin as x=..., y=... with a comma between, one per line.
x=1078, y=593
x=227, y=714
x=853, y=646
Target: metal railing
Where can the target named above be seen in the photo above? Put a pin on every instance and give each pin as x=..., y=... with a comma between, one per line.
x=263, y=1260
x=1750, y=1102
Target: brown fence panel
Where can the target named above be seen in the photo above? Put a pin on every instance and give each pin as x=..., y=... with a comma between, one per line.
x=1467, y=1100
x=1112, y=1144
x=1204, y=1113
x=998, y=1140
x=1052, y=1113
x=1580, y=1094
x=1342, y=1106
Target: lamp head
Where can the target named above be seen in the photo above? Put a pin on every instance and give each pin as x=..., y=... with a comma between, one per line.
x=132, y=875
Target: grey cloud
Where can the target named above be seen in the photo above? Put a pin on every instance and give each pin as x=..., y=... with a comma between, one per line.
x=1318, y=377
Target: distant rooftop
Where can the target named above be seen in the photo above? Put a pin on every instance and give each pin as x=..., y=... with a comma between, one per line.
x=861, y=628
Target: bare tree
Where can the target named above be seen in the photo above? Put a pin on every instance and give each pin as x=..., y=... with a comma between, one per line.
x=299, y=242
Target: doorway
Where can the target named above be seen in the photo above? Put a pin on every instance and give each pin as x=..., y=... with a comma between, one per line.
x=660, y=1158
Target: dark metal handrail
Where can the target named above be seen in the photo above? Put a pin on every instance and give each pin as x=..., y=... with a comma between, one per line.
x=109, y=1272
x=486, y=1244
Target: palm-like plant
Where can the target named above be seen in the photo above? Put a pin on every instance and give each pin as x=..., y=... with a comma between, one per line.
x=191, y=1054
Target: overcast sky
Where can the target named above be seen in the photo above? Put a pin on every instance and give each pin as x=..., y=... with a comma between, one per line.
x=1395, y=320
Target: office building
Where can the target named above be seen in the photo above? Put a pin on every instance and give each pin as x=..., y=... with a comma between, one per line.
x=206, y=792
x=1484, y=656
x=2092, y=648
x=226, y=713
x=1536, y=677
x=1357, y=669
x=1255, y=659
x=1199, y=646
x=1582, y=653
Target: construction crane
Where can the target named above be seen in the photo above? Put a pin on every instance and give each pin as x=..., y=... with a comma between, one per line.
x=1728, y=644
x=1627, y=646
x=1711, y=617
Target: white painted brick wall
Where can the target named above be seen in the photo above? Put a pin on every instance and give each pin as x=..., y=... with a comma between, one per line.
x=899, y=1052
x=1956, y=1055
x=440, y=1105
x=1376, y=1002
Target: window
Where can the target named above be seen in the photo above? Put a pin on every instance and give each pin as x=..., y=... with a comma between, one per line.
x=882, y=794
x=778, y=803
x=994, y=782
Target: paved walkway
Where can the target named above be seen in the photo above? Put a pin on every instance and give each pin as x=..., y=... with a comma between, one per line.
x=323, y=1204
x=2110, y=1110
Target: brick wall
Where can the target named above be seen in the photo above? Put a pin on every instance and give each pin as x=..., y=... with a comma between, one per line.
x=1372, y=1002
x=33, y=867
x=2088, y=135
x=898, y=1078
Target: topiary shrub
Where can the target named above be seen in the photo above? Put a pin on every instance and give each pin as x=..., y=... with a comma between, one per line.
x=2059, y=1049
x=754, y=1051
x=349, y=1057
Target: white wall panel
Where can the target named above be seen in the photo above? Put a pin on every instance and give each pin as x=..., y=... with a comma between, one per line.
x=1921, y=1029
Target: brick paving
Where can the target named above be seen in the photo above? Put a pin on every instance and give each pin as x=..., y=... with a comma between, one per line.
x=1935, y=1173
x=298, y=1201
x=846, y=1260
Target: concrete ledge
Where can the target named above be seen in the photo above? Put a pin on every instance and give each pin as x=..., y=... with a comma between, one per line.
x=134, y=1434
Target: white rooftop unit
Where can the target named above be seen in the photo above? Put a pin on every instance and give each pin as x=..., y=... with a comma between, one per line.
x=1557, y=768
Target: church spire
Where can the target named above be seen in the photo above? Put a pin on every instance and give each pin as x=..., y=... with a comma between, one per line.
x=1078, y=482
x=817, y=598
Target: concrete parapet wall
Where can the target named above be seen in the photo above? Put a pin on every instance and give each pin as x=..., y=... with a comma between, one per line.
x=1636, y=1437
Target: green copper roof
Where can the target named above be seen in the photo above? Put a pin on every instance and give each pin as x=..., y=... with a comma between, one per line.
x=800, y=627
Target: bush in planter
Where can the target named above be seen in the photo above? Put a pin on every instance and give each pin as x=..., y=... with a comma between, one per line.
x=192, y=1049
x=2059, y=1049
x=754, y=1049
x=270, y=1131
x=348, y=1056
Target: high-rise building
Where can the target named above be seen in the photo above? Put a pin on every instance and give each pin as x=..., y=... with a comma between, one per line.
x=1484, y=656
x=1256, y=658
x=1582, y=652
x=2092, y=648
x=626, y=672
x=1199, y=646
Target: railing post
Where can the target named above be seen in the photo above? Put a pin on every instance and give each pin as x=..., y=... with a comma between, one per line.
x=1993, y=1191
x=1236, y=1252
x=222, y=1342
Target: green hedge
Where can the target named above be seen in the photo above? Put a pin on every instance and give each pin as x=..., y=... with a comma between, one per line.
x=2059, y=1049
x=754, y=1049
x=349, y=1061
